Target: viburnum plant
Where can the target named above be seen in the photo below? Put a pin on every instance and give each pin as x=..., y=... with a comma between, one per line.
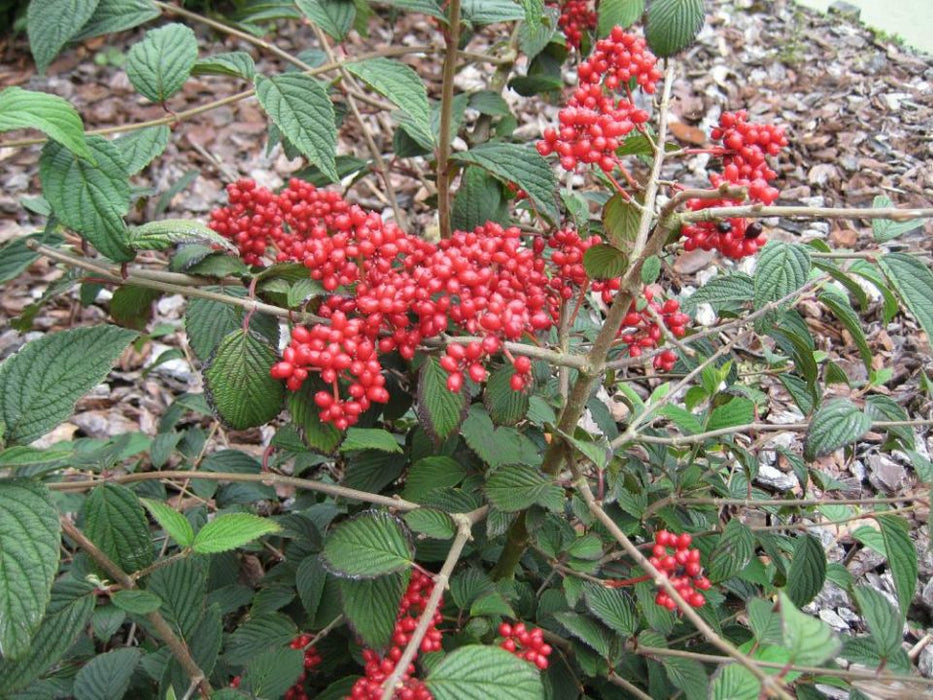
x=501, y=461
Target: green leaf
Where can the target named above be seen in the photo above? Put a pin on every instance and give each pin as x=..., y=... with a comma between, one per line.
x=432, y=473
x=586, y=630
x=160, y=235
x=298, y=104
x=838, y=303
x=479, y=199
x=884, y=622
x=113, y=16
x=734, y=682
x=63, y=622
x=273, y=672
x=431, y=523
x=913, y=281
x=140, y=147
x=29, y=553
x=50, y=24
x=426, y=7
x=370, y=544
x=182, y=586
x=621, y=219
x=320, y=436
x=131, y=306
x=479, y=672
x=174, y=523
x=523, y=166
x=91, y=200
x=159, y=65
x=782, y=268
x=733, y=552
x=16, y=256
x=836, y=423
x=870, y=272
x=50, y=114
x=230, y=531
x=370, y=606
x=621, y=13
x=650, y=269
x=604, y=262
x=335, y=17
x=258, y=635
x=518, y=486
x=207, y=322
x=738, y=411
x=114, y=520
x=40, y=384
x=902, y=558
x=505, y=405
x=237, y=382
x=309, y=582
x=809, y=640
x=611, y=606
x=106, y=676
x=885, y=230
x=881, y=407
x=734, y=288
x=237, y=64
x=491, y=11
x=807, y=571
x=136, y=601
x=672, y=25
x=401, y=85
x=370, y=439
x=689, y=676
x=440, y=411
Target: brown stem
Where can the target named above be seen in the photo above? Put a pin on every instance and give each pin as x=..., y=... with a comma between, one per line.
x=760, y=211
x=452, y=38
x=163, y=630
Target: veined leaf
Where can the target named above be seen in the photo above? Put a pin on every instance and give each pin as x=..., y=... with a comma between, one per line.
x=238, y=64
x=114, y=520
x=809, y=640
x=807, y=571
x=622, y=13
x=159, y=65
x=160, y=235
x=477, y=672
x=782, y=268
x=902, y=558
x=440, y=410
x=913, y=281
x=174, y=523
x=140, y=147
x=371, y=544
x=515, y=487
x=237, y=382
x=371, y=606
x=837, y=423
x=885, y=230
x=335, y=17
x=50, y=114
x=50, y=24
x=231, y=530
x=106, y=676
x=401, y=85
x=672, y=25
x=113, y=16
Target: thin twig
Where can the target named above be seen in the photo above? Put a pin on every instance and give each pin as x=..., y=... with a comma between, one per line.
x=465, y=522
x=162, y=629
x=632, y=689
x=759, y=211
x=452, y=40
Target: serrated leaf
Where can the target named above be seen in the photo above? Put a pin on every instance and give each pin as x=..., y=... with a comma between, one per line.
x=335, y=17
x=258, y=635
x=672, y=25
x=160, y=235
x=881, y=407
x=516, y=487
x=370, y=439
x=781, y=269
x=50, y=114
x=63, y=622
x=50, y=24
x=913, y=281
x=237, y=382
x=320, y=436
x=621, y=220
x=231, y=530
x=29, y=553
x=650, y=269
x=182, y=586
x=479, y=672
x=735, y=288
x=505, y=405
x=612, y=607
x=884, y=622
x=136, y=601
x=809, y=640
x=837, y=423
x=92, y=200
x=159, y=65
x=40, y=384
x=16, y=256
x=140, y=147
x=622, y=13
x=401, y=85
x=738, y=411
x=807, y=571
x=491, y=11
x=370, y=606
x=902, y=558
x=765, y=623
x=113, y=16
x=734, y=682
x=885, y=230
x=298, y=104
x=586, y=630
x=114, y=520
x=427, y=7
x=238, y=64
x=431, y=473
x=174, y=523
x=440, y=411
x=431, y=523
x=479, y=199
x=604, y=262
x=537, y=31
x=520, y=165
x=207, y=322
x=732, y=553
x=273, y=672
x=689, y=676
x=839, y=304
x=870, y=272
x=106, y=676
x=370, y=544
x=131, y=306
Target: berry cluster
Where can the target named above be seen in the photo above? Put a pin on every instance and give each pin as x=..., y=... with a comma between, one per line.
x=527, y=644
x=744, y=151
x=312, y=659
x=594, y=121
x=576, y=17
x=673, y=555
x=378, y=669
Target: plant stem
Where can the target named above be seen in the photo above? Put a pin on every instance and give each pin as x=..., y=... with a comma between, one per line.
x=760, y=211
x=452, y=39
x=163, y=630
x=465, y=522
x=632, y=689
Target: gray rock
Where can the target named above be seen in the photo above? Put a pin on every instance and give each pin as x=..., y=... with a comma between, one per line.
x=833, y=620
x=886, y=474
x=774, y=478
